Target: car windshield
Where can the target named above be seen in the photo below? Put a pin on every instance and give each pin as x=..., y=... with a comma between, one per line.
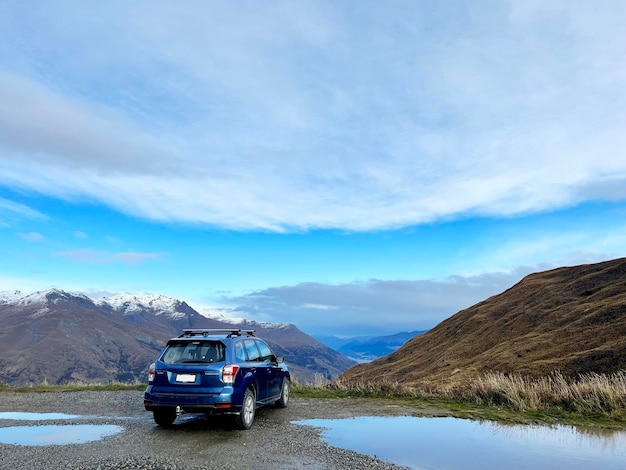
x=193, y=351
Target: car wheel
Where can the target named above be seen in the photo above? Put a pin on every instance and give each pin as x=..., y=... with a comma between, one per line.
x=164, y=416
x=245, y=419
x=284, y=395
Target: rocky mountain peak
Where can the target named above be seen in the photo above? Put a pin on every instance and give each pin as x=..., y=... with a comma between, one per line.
x=16, y=297
x=117, y=337
x=156, y=304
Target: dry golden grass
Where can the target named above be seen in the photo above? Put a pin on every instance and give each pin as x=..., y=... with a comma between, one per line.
x=589, y=394
x=44, y=386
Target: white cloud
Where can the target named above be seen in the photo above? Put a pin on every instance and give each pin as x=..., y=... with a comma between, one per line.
x=50, y=129
x=294, y=116
x=90, y=256
x=33, y=237
x=371, y=307
x=13, y=210
x=318, y=307
x=134, y=257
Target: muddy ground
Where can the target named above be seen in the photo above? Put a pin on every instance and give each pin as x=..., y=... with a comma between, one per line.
x=195, y=441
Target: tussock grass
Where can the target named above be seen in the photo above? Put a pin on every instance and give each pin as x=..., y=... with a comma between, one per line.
x=44, y=387
x=337, y=389
x=591, y=394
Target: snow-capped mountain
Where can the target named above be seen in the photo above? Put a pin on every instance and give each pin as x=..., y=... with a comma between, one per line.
x=154, y=303
x=252, y=324
x=116, y=338
x=39, y=303
x=38, y=297
x=10, y=296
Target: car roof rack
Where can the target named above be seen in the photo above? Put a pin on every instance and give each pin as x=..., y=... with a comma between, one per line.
x=229, y=332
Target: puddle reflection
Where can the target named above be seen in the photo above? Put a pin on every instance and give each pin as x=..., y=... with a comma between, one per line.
x=450, y=443
x=56, y=435
x=51, y=435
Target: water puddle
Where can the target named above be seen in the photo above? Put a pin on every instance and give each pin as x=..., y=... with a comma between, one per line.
x=56, y=435
x=450, y=443
x=24, y=416
x=46, y=435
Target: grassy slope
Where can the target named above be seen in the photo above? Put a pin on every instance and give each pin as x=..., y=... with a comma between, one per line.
x=571, y=320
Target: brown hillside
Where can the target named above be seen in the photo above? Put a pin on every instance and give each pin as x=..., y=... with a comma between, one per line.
x=569, y=319
x=57, y=337
x=69, y=339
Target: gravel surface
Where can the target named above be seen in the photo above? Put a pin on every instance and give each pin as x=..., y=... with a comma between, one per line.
x=194, y=442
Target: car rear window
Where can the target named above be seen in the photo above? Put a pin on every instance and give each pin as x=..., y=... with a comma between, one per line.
x=179, y=352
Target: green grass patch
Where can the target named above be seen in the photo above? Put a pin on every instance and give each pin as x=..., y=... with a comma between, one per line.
x=72, y=387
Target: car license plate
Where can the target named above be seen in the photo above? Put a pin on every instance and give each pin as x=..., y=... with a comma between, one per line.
x=185, y=378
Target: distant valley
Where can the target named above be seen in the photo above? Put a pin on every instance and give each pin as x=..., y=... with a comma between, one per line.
x=368, y=348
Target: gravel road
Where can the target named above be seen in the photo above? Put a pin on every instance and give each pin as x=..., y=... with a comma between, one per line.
x=194, y=442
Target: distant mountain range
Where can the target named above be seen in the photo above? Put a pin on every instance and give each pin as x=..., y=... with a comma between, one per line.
x=58, y=337
x=368, y=348
x=571, y=320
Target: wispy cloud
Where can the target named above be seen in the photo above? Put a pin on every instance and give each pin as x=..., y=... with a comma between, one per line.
x=134, y=257
x=85, y=256
x=315, y=115
x=14, y=210
x=90, y=256
x=33, y=237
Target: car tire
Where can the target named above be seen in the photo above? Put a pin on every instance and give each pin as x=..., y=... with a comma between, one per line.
x=164, y=417
x=245, y=418
x=284, y=394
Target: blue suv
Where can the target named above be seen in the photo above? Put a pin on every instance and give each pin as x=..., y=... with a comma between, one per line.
x=216, y=372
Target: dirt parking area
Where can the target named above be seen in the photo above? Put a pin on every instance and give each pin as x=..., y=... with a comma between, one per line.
x=194, y=442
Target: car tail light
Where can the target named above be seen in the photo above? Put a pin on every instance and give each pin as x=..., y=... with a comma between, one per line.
x=229, y=372
x=151, y=372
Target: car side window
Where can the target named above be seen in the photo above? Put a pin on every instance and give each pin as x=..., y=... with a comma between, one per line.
x=251, y=350
x=240, y=354
x=266, y=352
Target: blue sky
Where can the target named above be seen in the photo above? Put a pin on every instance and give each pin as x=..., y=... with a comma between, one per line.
x=350, y=167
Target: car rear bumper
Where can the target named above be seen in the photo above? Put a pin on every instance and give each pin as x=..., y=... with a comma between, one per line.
x=190, y=403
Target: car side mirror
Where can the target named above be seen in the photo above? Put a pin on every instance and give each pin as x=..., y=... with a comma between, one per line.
x=280, y=359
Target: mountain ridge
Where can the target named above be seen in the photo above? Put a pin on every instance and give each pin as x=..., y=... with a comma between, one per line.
x=570, y=319
x=59, y=337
